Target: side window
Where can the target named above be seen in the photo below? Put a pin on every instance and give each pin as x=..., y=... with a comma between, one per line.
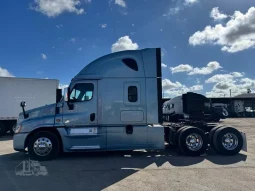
x=132, y=94
x=82, y=92
x=131, y=63
x=172, y=105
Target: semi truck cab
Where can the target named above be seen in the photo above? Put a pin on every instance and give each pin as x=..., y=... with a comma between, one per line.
x=113, y=103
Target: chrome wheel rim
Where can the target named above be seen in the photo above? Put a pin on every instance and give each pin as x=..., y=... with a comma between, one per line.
x=194, y=142
x=229, y=141
x=42, y=146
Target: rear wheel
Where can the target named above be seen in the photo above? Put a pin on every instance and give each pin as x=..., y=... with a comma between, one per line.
x=227, y=141
x=193, y=141
x=43, y=145
x=178, y=133
x=211, y=135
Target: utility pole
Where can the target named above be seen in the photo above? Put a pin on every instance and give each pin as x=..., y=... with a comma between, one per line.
x=230, y=92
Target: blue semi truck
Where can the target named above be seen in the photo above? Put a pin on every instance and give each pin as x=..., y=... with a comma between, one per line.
x=114, y=103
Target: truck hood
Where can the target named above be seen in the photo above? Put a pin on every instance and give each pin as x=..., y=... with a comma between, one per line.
x=39, y=112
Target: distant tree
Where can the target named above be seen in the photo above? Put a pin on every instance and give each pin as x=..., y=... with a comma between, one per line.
x=248, y=91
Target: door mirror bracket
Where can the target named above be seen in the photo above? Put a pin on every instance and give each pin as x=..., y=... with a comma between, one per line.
x=70, y=105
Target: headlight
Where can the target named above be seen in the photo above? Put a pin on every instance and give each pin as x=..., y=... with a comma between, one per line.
x=18, y=128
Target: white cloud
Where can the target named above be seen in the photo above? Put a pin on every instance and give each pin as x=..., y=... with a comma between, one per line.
x=224, y=77
x=190, y=2
x=62, y=86
x=124, y=43
x=5, y=73
x=217, y=15
x=196, y=88
x=40, y=72
x=44, y=56
x=236, y=35
x=79, y=49
x=211, y=67
x=237, y=87
x=73, y=39
x=87, y=1
x=232, y=81
x=120, y=3
x=181, y=68
x=53, y=8
x=103, y=25
x=172, y=11
x=168, y=85
x=163, y=65
x=237, y=74
x=173, y=89
x=59, y=26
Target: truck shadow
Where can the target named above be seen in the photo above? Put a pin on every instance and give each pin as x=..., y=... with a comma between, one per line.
x=7, y=137
x=98, y=170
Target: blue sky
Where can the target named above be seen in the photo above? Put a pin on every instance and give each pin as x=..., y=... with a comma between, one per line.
x=207, y=46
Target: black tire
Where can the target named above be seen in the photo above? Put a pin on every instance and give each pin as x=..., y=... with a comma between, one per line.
x=217, y=141
x=178, y=134
x=2, y=129
x=182, y=141
x=171, y=136
x=216, y=119
x=55, y=146
x=211, y=136
x=12, y=130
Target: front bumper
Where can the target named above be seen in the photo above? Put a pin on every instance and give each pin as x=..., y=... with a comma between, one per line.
x=19, y=141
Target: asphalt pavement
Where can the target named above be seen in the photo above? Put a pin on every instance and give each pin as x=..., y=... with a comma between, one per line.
x=133, y=170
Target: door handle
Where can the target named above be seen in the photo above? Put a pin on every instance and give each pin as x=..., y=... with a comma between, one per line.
x=92, y=117
x=129, y=129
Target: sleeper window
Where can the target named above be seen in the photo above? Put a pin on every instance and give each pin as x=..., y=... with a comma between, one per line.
x=131, y=63
x=82, y=92
x=132, y=94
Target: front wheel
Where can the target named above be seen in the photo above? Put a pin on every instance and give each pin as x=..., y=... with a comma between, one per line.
x=43, y=145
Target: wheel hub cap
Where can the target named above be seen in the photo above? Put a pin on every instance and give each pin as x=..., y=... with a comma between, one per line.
x=42, y=146
x=194, y=142
x=229, y=141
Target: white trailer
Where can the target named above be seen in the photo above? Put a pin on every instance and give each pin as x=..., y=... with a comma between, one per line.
x=36, y=92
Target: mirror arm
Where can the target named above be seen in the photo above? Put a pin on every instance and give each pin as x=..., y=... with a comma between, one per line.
x=23, y=104
x=24, y=113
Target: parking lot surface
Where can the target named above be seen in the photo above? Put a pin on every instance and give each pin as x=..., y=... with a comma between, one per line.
x=136, y=170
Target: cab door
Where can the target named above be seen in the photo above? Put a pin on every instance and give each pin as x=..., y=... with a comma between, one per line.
x=80, y=117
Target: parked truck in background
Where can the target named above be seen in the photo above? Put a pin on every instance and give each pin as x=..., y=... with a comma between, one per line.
x=114, y=103
x=193, y=106
x=36, y=92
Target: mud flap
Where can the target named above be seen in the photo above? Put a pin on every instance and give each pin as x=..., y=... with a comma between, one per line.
x=244, y=142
